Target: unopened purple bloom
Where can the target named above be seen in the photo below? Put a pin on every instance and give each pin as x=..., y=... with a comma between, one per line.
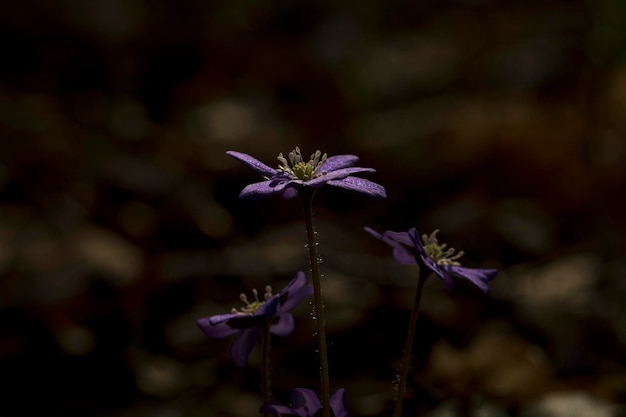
x=248, y=322
x=295, y=172
x=409, y=249
x=305, y=403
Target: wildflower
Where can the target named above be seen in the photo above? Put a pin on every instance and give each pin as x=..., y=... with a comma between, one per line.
x=249, y=321
x=305, y=403
x=294, y=173
x=409, y=249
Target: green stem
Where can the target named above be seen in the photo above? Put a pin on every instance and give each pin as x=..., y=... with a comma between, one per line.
x=265, y=365
x=306, y=197
x=408, y=347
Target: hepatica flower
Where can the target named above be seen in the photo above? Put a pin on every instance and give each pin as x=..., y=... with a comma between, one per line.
x=305, y=403
x=408, y=248
x=294, y=172
x=248, y=322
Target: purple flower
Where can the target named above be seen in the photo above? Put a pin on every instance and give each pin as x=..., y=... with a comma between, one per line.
x=305, y=403
x=409, y=249
x=251, y=319
x=296, y=173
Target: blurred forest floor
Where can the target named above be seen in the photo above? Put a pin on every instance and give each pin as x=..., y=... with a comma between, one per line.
x=501, y=123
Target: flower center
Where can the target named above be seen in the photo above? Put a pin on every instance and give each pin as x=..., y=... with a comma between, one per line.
x=439, y=253
x=251, y=307
x=297, y=169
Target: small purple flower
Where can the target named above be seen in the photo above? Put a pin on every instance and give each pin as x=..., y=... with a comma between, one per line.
x=296, y=173
x=409, y=249
x=251, y=319
x=305, y=403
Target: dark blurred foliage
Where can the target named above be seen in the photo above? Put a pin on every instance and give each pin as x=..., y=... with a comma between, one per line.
x=499, y=122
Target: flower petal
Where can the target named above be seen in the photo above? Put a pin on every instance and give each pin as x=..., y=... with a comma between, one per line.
x=295, y=292
x=444, y=276
x=305, y=402
x=221, y=318
x=295, y=298
x=400, y=242
x=336, y=162
x=447, y=279
x=253, y=163
x=335, y=175
x=290, y=193
x=215, y=331
x=269, y=308
x=259, y=190
x=478, y=277
x=373, y=232
x=403, y=256
x=282, y=325
x=393, y=238
x=338, y=403
x=414, y=235
x=276, y=408
x=360, y=185
x=279, y=178
x=242, y=346
x=297, y=282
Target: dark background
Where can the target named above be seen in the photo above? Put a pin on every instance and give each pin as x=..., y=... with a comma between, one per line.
x=500, y=122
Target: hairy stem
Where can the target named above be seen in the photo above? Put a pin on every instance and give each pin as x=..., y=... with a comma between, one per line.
x=408, y=347
x=306, y=197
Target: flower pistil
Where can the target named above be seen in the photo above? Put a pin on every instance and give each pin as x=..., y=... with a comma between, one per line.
x=300, y=170
x=251, y=307
x=438, y=252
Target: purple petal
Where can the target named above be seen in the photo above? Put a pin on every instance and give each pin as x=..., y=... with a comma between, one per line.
x=400, y=242
x=295, y=292
x=282, y=186
x=360, y=185
x=437, y=269
x=338, y=403
x=269, y=308
x=282, y=325
x=373, y=232
x=259, y=190
x=305, y=402
x=403, y=256
x=253, y=163
x=279, y=178
x=290, y=193
x=414, y=235
x=297, y=282
x=222, y=318
x=395, y=238
x=447, y=280
x=215, y=331
x=242, y=346
x=336, y=162
x=336, y=175
x=295, y=298
x=276, y=408
x=478, y=277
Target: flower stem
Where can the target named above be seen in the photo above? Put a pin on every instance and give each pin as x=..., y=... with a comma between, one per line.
x=306, y=197
x=408, y=347
x=265, y=365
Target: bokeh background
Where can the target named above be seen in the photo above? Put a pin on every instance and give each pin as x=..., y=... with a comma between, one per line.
x=502, y=123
